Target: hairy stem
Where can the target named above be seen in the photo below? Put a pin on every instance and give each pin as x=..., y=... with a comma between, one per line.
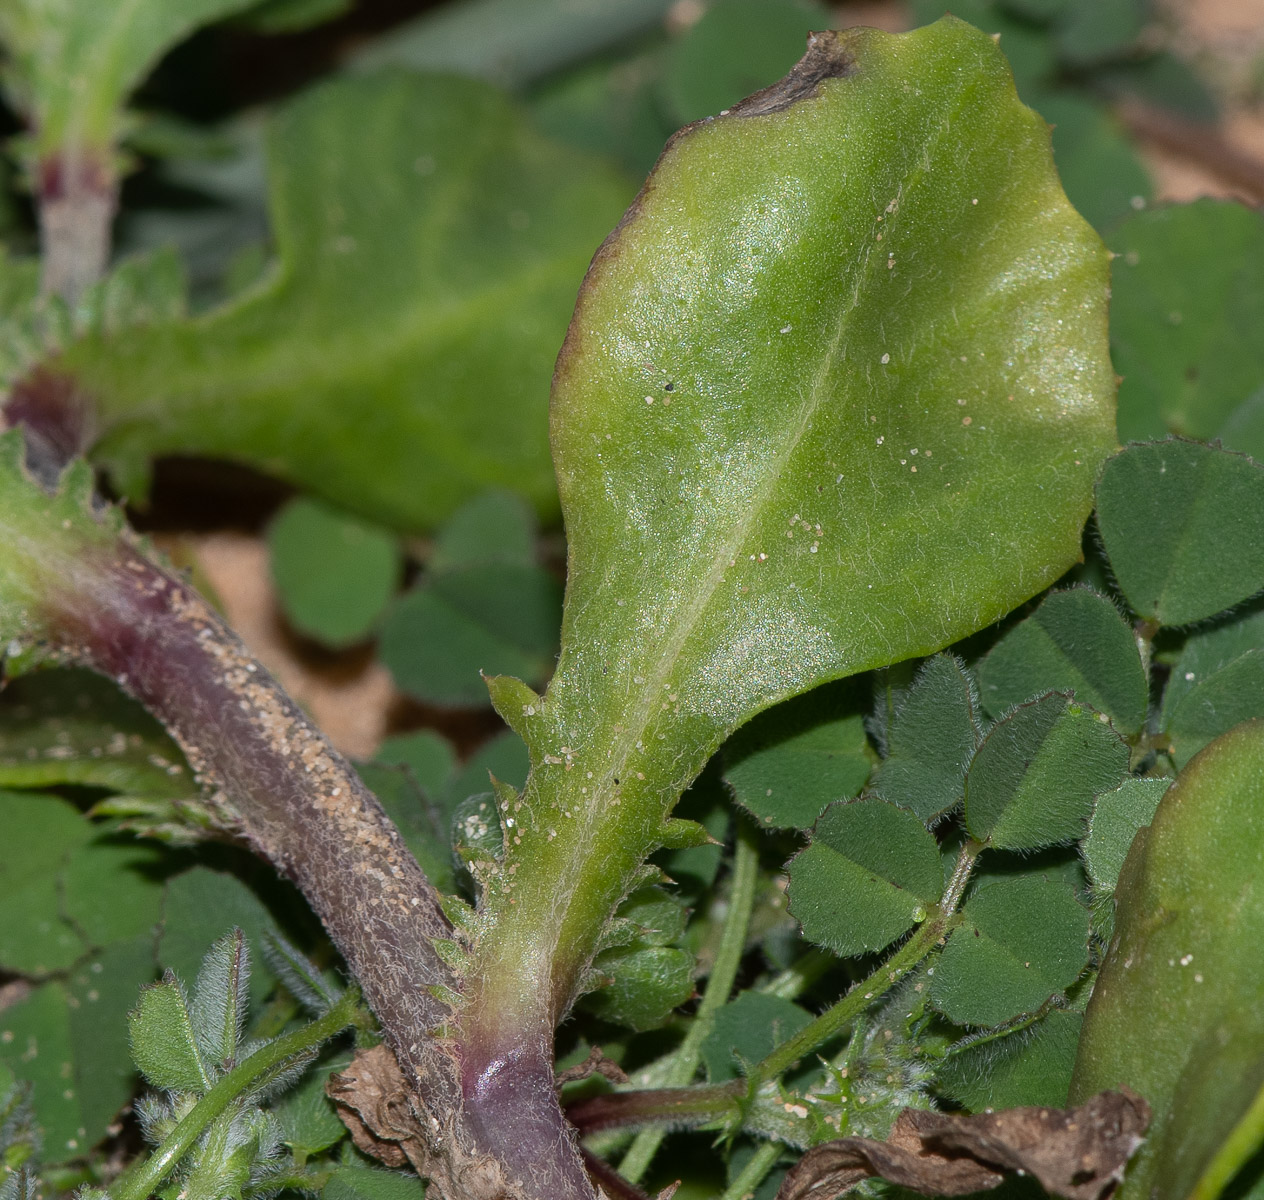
x=719, y=985
x=144, y=1178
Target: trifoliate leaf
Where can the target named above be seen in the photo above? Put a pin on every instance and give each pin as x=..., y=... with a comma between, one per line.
x=748, y=1029
x=1217, y=682
x=1187, y=305
x=1033, y=780
x=1183, y=526
x=334, y=573
x=1076, y=642
x=787, y=764
x=868, y=875
x=1117, y=816
x=499, y=619
x=931, y=737
x=1021, y=942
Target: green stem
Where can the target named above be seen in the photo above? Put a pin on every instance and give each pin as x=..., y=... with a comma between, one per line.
x=142, y=1180
x=719, y=985
x=753, y=1173
x=837, y=1018
x=1242, y=1143
x=796, y=979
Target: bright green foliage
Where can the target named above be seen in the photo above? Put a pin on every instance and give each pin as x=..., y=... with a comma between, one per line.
x=1117, y=816
x=787, y=764
x=932, y=736
x=71, y=726
x=429, y=245
x=738, y=47
x=1029, y=1066
x=1175, y=1013
x=1217, y=682
x=1183, y=524
x=868, y=876
x=1033, y=780
x=334, y=574
x=746, y=1029
x=73, y=65
x=1022, y=942
x=1187, y=306
x=41, y=832
x=494, y=619
x=1076, y=641
x=753, y=268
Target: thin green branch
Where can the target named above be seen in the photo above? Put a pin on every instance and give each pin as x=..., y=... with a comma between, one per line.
x=142, y=1180
x=754, y=1172
x=719, y=986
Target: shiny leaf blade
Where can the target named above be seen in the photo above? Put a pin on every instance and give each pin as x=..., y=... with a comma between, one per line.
x=1175, y=1011
x=1033, y=780
x=1183, y=526
x=1076, y=642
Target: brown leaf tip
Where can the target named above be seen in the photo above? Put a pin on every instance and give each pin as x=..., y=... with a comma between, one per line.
x=829, y=56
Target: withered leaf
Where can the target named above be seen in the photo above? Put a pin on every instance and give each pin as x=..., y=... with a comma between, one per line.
x=372, y=1099
x=1077, y=1153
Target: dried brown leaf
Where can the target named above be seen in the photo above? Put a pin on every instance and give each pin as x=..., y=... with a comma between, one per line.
x=1077, y=1153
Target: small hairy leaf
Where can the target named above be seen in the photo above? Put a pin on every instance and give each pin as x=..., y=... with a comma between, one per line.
x=309, y=1122
x=1187, y=305
x=334, y=573
x=1033, y=780
x=300, y=976
x=497, y=619
x=747, y=1029
x=221, y=997
x=1217, y=682
x=787, y=764
x=164, y=1040
x=1175, y=1011
x=1022, y=941
x=867, y=876
x=1028, y=1066
x=931, y=738
x=1076, y=641
x=1117, y=816
x=1183, y=526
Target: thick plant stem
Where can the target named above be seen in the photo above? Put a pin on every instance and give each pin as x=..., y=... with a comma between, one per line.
x=719, y=985
x=144, y=1178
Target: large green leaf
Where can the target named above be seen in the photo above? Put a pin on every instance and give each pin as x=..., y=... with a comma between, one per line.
x=1175, y=1014
x=429, y=246
x=783, y=457
x=1186, y=312
x=72, y=65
